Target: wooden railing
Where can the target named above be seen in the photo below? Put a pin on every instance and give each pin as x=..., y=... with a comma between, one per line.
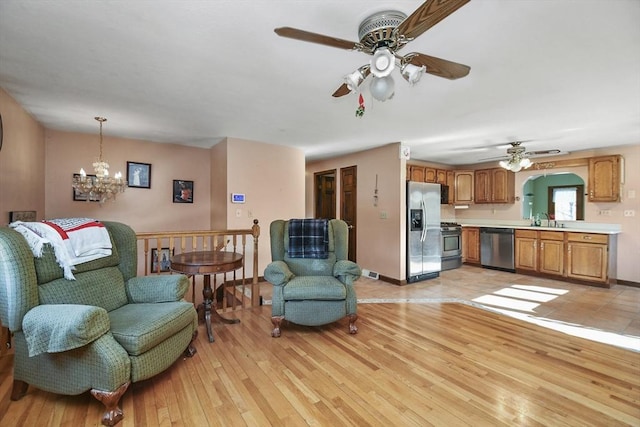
x=156, y=248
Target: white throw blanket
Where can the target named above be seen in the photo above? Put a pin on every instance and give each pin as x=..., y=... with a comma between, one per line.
x=74, y=240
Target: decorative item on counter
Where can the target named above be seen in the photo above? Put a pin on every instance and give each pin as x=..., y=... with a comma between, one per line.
x=537, y=220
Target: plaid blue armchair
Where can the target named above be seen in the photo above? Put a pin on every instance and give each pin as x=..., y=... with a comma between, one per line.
x=99, y=332
x=312, y=291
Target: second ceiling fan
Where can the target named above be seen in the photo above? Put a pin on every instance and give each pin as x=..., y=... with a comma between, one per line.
x=382, y=35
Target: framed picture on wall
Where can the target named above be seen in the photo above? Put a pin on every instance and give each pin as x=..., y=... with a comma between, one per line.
x=139, y=175
x=182, y=191
x=160, y=262
x=78, y=196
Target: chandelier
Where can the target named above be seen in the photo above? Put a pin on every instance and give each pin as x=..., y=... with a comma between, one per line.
x=100, y=186
x=517, y=159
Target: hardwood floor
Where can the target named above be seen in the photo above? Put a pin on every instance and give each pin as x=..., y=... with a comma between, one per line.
x=411, y=364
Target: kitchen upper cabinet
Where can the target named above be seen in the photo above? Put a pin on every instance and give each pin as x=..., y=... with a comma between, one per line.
x=471, y=245
x=451, y=183
x=463, y=186
x=496, y=185
x=604, y=179
x=588, y=256
x=441, y=176
x=429, y=174
x=416, y=173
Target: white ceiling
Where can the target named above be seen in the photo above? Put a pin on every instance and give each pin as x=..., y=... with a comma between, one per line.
x=563, y=74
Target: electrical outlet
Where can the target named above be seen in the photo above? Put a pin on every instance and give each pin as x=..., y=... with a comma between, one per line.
x=605, y=212
x=383, y=215
x=629, y=212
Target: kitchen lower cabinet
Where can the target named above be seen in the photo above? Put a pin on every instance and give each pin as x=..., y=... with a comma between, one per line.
x=582, y=257
x=471, y=245
x=588, y=257
x=551, y=252
x=526, y=250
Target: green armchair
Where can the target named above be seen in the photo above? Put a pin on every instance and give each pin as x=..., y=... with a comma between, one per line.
x=99, y=332
x=311, y=291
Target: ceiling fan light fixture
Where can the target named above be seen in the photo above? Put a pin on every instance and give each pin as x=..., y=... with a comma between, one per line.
x=382, y=88
x=354, y=79
x=383, y=62
x=412, y=73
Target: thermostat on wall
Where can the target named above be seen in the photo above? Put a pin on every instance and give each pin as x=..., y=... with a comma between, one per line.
x=237, y=198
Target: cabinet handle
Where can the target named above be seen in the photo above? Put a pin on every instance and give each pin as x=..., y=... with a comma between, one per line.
x=569, y=248
x=541, y=246
x=586, y=237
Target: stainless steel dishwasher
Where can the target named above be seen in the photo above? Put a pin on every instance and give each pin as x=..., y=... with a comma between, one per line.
x=497, y=248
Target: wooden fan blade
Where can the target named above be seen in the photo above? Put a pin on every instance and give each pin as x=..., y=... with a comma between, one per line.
x=341, y=91
x=426, y=16
x=440, y=67
x=306, y=36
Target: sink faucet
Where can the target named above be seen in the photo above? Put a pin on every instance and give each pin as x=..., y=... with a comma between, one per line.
x=546, y=215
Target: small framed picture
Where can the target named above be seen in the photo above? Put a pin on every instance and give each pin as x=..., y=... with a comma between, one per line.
x=139, y=175
x=182, y=191
x=161, y=263
x=78, y=196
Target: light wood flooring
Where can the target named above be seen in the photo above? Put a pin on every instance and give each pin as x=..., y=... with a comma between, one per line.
x=417, y=361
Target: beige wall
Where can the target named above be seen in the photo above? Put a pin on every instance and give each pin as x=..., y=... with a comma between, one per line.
x=381, y=243
x=143, y=209
x=22, y=173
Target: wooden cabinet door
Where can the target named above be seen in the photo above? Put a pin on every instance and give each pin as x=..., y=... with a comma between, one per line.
x=587, y=261
x=463, y=187
x=441, y=176
x=526, y=250
x=503, y=186
x=552, y=257
x=482, y=186
x=417, y=173
x=604, y=179
x=471, y=245
x=451, y=182
x=429, y=174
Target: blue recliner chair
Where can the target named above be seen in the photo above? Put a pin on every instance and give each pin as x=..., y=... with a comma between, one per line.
x=312, y=291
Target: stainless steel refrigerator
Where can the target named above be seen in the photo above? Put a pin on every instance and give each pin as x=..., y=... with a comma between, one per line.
x=423, y=231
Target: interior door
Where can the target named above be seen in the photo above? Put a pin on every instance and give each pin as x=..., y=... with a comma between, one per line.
x=325, y=194
x=348, y=205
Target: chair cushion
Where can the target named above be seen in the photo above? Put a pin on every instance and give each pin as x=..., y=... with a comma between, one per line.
x=314, y=288
x=140, y=327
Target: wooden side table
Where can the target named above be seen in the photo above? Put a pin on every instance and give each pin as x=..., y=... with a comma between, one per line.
x=208, y=263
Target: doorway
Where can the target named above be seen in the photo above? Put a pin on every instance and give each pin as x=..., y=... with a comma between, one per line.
x=349, y=205
x=325, y=194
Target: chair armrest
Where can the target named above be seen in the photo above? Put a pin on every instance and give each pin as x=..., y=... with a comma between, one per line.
x=53, y=328
x=161, y=288
x=278, y=274
x=347, y=269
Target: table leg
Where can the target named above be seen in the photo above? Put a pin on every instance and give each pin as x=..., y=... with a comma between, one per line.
x=207, y=295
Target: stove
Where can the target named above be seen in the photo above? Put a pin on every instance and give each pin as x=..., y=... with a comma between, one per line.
x=451, y=256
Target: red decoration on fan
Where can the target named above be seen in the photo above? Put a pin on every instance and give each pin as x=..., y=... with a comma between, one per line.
x=360, y=110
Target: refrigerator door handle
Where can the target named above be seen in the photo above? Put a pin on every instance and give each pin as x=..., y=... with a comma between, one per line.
x=423, y=236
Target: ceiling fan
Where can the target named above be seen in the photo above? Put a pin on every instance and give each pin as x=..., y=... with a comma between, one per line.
x=518, y=157
x=382, y=35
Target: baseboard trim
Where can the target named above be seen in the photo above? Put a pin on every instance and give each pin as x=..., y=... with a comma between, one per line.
x=628, y=283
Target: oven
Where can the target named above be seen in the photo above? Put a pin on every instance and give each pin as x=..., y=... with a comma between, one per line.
x=451, y=243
